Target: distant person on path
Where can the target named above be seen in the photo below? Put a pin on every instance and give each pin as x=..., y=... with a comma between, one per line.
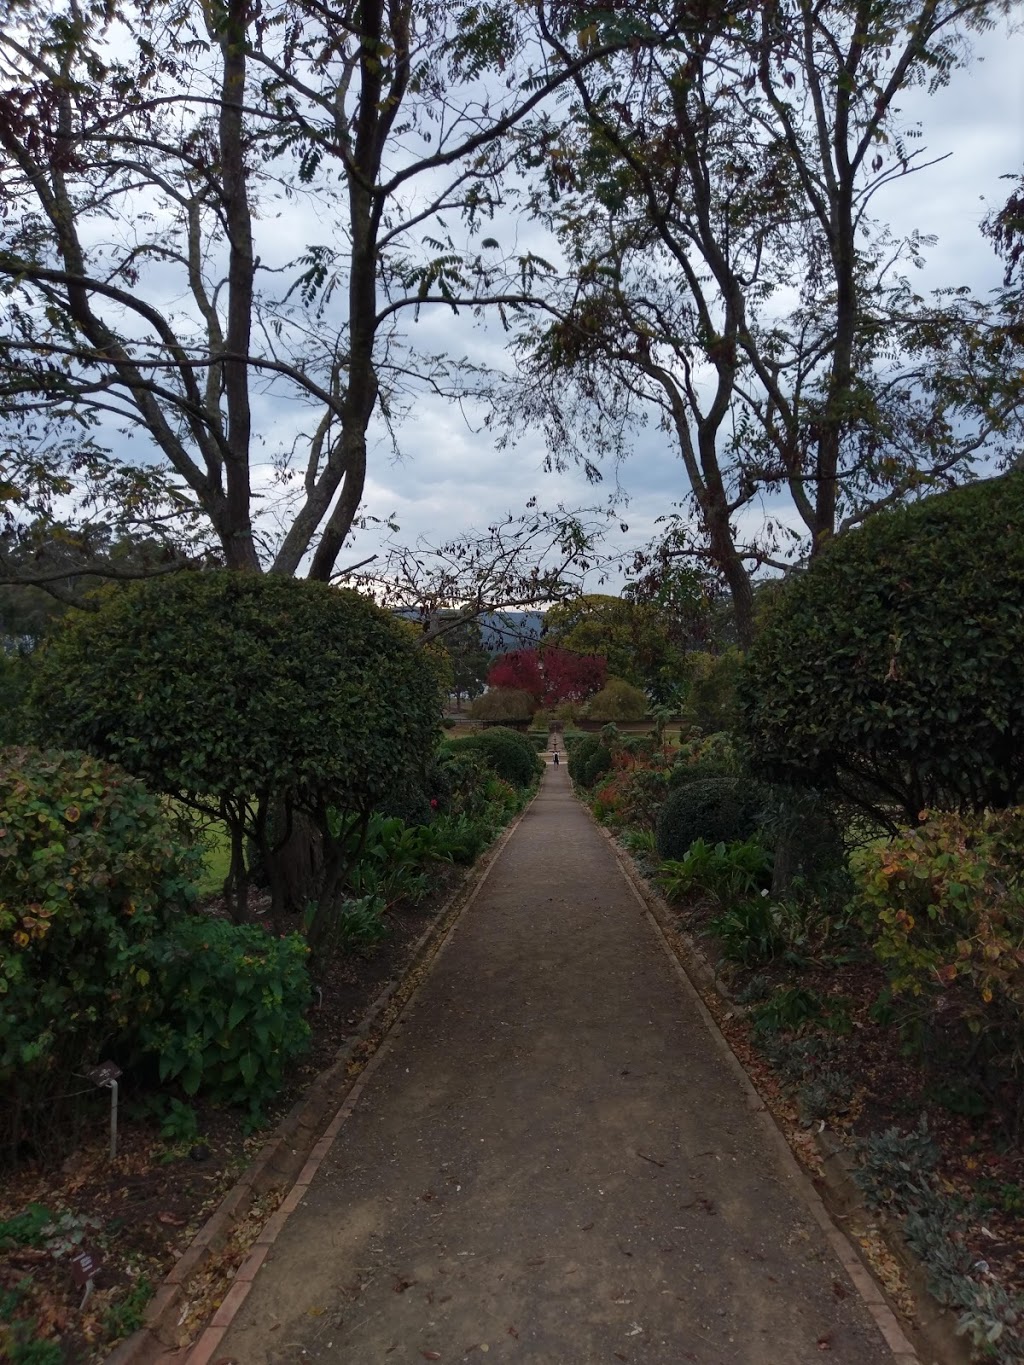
x=556, y=758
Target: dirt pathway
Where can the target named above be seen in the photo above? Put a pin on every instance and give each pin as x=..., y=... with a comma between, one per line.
x=553, y=1163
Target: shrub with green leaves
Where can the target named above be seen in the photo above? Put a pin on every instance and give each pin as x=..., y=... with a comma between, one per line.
x=230, y=1013
x=91, y=868
x=579, y=749
x=510, y=754
x=893, y=669
x=258, y=699
x=456, y=779
x=711, y=702
x=707, y=756
x=503, y=703
x=715, y=809
x=617, y=700
x=944, y=905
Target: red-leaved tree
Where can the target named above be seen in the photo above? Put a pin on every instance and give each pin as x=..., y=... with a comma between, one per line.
x=550, y=676
x=520, y=668
x=571, y=677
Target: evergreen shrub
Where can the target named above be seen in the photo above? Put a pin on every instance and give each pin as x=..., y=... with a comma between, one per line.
x=229, y=1013
x=893, y=669
x=715, y=809
x=91, y=869
x=510, y=754
x=256, y=698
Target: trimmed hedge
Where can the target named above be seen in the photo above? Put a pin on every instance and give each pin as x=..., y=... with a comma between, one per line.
x=715, y=809
x=893, y=669
x=510, y=754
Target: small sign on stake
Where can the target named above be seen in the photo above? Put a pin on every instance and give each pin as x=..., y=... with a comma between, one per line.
x=106, y=1074
x=84, y=1269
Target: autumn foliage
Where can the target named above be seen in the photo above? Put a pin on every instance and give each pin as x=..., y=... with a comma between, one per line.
x=551, y=675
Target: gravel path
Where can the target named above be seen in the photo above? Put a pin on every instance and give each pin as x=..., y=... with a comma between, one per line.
x=553, y=1164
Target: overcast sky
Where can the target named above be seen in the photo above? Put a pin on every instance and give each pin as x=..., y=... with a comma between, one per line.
x=451, y=477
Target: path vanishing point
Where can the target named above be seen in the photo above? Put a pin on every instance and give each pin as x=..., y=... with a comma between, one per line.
x=556, y=1162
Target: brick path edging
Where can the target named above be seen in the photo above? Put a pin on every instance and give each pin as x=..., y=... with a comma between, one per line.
x=290, y=1158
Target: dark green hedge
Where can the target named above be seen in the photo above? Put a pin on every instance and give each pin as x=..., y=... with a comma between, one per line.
x=893, y=669
x=511, y=755
x=715, y=809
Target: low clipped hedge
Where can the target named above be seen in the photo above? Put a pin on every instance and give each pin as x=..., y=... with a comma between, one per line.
x=92, y=867
x=510, y=754
x=715, y=809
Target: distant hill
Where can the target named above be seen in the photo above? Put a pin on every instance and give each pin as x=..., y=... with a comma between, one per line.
x=502, y=631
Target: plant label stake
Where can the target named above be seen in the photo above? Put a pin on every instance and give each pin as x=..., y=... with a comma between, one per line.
x=106, y=1075
x=84, y=1269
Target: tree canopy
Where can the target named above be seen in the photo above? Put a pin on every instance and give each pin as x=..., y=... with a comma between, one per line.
x=636, y=639
x=217, y=214
x=254, y=699
x=714, y=203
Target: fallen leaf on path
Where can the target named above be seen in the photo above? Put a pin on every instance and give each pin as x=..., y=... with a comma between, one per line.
x=586, y=1227
x=400, y=1285
x=171, y=1220
x=824, y=1343
x=431, y=1355
x=513, y=1333
x=838, y=1290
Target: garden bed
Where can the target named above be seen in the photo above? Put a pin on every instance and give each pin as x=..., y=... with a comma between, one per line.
x=137, y=1215
x=809, y=1031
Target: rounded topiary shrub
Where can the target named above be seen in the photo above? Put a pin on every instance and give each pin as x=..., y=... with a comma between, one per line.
x=597, y=762
x=91, y=868
x=715, y=809
x=256, y=698
x=503, y=703
x=617, y=700
x=892, y=670
x=510, y=754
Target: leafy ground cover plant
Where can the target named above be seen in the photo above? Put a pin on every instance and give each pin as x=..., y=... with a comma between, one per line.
x=229, y=1018
x=727, y=871
x=898, y=1173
